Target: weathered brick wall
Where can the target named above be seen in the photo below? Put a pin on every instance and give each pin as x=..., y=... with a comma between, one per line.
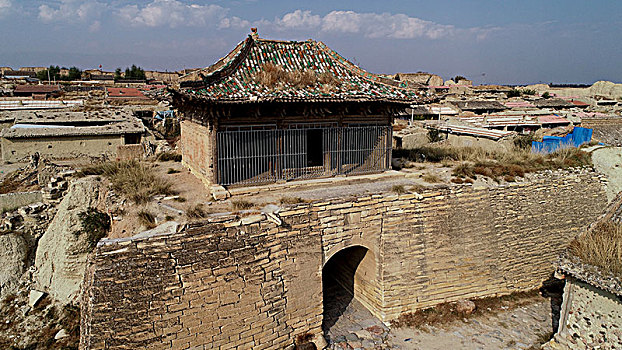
x=196, y=150
x=262, y=283
x=253, y=286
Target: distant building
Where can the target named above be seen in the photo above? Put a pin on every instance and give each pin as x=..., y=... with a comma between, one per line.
x=63, y=135
x=114, y=93
x=427, y=79
x=33, y=69
x=479, y=107
x=37, y=91
x=18, y=74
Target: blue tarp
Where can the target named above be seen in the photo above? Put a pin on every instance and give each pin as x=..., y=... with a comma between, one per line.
x=550, y=144
x=165, y=114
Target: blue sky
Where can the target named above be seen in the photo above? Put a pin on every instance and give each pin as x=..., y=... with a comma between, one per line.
x=511, y=42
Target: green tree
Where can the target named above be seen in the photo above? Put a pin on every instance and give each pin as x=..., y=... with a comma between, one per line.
x=74, y=73
x=117, y=74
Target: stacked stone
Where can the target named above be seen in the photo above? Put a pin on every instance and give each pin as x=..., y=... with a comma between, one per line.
x=56, y=187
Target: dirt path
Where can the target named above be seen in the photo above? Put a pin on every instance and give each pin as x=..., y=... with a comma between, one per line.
x=525, y=325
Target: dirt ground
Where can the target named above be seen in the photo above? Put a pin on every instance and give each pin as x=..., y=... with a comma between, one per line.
x=524, y=322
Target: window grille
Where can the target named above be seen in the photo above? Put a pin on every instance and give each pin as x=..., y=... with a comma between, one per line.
x=264, y=156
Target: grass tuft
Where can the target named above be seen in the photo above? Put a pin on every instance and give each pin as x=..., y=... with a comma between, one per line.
x=242, y=204
x=399, y=189
x=146, y=218
x=507, y=165
x=291, y=200
x=196, y=212
x=602, y=247
x=132, y=179
x=169, y=156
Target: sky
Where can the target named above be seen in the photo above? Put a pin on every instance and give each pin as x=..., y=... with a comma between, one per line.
x=488, y=41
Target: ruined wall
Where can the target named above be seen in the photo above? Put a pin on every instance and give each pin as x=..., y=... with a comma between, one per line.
x=196, y=150
x=590, y=317
x=18, y=199
x=248, y=286
x=15, y=150
x=260, y=282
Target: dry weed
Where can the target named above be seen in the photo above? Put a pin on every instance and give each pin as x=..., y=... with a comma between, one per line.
x=601, y=247
x=131, y=179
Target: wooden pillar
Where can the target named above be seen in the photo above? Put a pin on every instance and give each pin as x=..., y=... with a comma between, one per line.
x=213, y=135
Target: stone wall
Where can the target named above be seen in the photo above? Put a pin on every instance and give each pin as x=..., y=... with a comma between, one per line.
x=15, y=150
x=220, y=285
x=196, y=150
x=590, y=318
x=18, y=199
x=246, y=282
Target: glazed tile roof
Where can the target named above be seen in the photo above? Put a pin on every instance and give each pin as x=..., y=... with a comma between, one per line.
x=232, y=78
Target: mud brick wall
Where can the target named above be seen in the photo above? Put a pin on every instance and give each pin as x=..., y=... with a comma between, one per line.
x=248, y=283
x=466, y=242
x=219, y=285
x=196, y=149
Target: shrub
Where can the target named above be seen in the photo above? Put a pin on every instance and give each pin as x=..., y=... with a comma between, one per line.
x=132, y=179
x=513, y=93
x=94, y=224
x=146, y=218
x=524, y=141
x=242, y=205
x=399, y=189
x=434, y=135
x=546, y=95
x=196, y=212
x=291, y=200
x=169, y=156
x=431, y=178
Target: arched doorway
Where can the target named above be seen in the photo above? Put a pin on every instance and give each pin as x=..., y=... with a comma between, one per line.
x=348, y=281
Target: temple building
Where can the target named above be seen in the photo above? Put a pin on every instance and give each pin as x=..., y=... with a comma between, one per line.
x=274, y=111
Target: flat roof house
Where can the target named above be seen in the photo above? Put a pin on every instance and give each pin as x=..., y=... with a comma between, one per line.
x=65, y=135
x=282, y=110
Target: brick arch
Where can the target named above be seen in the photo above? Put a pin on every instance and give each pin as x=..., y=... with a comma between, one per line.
x=353, y=242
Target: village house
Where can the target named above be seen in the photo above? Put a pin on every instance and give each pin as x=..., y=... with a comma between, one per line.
x=40, y=92
x=63, y=135
x=282, y=110
x=125, y=94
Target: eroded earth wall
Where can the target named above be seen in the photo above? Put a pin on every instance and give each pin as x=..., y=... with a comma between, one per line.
x=248, y=283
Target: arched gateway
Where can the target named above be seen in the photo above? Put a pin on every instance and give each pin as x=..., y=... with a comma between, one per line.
x=351, y=273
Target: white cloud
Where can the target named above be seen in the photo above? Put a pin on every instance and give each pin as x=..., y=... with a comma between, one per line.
x=370, y=25
x=233, y=22
x=174, y=13
x=299, y=20
x=5, y=7
x=72, y=11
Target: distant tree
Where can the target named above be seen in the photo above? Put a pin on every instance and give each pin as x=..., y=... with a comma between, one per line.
x=133, y=72
x=117, y=74
x=74, y=74
x=513, y=93
x=52, y=73
x=457, y=78
x=546, y=94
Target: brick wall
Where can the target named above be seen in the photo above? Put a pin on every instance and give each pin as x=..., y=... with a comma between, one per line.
x=251, y=279
x=196, y=150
